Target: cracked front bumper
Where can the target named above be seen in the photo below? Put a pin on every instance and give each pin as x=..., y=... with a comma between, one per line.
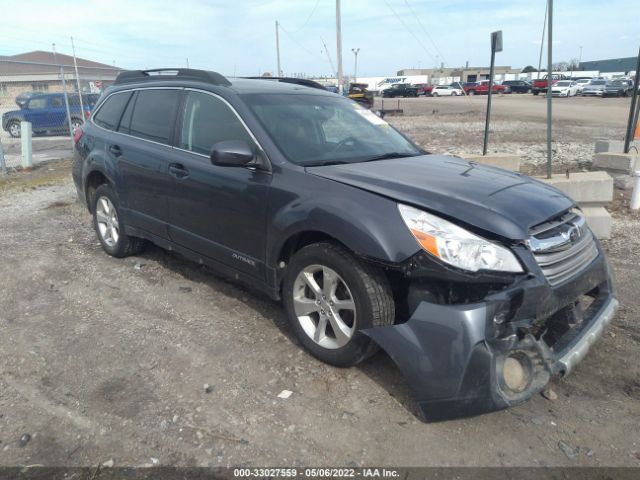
x=453, y=356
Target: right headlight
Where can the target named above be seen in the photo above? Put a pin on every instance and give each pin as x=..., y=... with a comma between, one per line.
x=455, y=245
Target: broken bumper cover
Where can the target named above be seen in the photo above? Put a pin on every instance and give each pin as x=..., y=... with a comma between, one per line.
x=454, y=361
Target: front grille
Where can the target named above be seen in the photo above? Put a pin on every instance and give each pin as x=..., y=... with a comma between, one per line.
x=563, y=247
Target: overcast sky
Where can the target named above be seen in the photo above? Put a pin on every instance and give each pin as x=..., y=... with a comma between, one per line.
x=239, y=36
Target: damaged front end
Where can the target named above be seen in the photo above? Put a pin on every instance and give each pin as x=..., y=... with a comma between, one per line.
x=485, y=343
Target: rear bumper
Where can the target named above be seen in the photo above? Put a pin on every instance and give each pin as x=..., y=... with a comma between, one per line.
x=453, y=356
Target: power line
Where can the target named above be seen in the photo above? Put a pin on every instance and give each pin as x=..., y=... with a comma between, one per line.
x=410, y=31
x=425, y=31
x=313, y=10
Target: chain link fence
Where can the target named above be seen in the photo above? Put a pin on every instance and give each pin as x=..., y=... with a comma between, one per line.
x=55, y=98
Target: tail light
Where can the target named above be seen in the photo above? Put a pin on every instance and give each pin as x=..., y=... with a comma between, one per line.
x=87, y=113
x=77, y=135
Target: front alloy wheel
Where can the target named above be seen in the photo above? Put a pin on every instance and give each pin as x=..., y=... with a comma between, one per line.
x=14, y=129
x=324, y=306
x=331, y=296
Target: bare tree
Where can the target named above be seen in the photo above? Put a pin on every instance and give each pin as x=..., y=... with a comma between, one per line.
x=561, y=66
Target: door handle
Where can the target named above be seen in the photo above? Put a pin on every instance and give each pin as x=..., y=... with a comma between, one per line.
x=115, y=150
x=178, y=170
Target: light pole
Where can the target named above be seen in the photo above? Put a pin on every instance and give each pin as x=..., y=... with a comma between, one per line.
x=278, y=73
x=339, y=48
x=355, y=68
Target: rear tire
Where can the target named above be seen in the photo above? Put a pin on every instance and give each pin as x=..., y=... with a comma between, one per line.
x=320, y=279
x=107, y=222
x=471, y=93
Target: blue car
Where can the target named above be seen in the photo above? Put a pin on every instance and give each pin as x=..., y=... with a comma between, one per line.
x=47, y=112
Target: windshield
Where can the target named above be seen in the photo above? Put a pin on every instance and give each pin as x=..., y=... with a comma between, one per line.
x=598, y=82
x=321, y=129
x=563, y=84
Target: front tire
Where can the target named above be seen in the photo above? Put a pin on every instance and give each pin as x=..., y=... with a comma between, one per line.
x=107, y=222
x=14, y=128
x=330, y=297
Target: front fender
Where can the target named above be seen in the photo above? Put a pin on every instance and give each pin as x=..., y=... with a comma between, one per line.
x=368, y=224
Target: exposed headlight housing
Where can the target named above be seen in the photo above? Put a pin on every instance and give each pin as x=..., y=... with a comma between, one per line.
x=455, y=245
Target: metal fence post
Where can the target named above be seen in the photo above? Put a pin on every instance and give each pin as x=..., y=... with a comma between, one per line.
x=26, y=144
x=66, y=104
x=3, y=164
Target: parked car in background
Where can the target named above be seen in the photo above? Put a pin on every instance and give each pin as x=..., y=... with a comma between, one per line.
x=595, y=88
x=480, y=283
x=615, y=88
x=22, y=98
x=518, y=86
x=400, y=90
x=564, y=88
x=424, y=89
x=47, y=112
x=358, y=92
x=482, y=88
x=582, y=82
x=540, y=84
x=446, y=91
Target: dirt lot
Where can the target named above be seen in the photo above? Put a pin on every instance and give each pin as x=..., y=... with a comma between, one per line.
x=107, y=359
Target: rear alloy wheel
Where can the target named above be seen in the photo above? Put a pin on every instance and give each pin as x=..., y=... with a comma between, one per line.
x=330, y=296
x=108, y=225
x=14, y=128
x=472, y=92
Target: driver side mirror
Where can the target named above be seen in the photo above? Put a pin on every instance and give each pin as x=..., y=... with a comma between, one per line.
x=232, y=153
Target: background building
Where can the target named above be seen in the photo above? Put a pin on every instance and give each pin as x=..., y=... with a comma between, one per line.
x=614, y=65
x=41, y=72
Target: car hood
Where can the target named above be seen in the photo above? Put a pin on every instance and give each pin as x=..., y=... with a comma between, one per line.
x=594, y=87
x=504, y=203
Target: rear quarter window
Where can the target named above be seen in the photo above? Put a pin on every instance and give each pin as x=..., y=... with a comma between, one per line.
x=108, y=116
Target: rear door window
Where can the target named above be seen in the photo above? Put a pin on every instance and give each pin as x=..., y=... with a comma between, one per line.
x=208, y=120
x=154, y=113
x=111, y=110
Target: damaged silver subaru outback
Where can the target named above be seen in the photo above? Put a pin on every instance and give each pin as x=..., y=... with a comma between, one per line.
x=480, y=283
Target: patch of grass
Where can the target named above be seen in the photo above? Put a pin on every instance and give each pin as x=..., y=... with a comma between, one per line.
x=51, y=173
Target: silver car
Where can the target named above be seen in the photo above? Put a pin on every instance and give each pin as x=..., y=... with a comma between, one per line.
x=595, y=88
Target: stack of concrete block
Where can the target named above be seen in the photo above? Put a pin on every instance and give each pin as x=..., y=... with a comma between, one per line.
x=609, y=156
x=591, y=191
x=508, y=162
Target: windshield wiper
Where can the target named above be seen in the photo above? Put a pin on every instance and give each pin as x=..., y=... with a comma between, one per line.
x=324, y=164
x=390, y=155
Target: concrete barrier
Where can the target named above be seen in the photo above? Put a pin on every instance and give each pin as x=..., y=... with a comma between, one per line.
x=591, y=191
x=508, y=162
x=620, y=162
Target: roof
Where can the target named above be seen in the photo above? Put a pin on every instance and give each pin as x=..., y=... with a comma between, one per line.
x=627, y=64
x=191, y=77
x=42, y=62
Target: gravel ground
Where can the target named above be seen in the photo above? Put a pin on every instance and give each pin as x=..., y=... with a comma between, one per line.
x=107, y=359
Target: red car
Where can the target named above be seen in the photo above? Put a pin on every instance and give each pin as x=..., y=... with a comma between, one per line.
x=540, y=84
x=482, y=88
x=424, y=89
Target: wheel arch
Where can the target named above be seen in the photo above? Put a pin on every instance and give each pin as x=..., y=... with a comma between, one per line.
x=95, y=178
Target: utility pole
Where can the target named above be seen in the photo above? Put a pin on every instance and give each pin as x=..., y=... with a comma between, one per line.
x=53, y=45
x=633, y=112
x=75, y=66
x=339, y=48
x=355, y=68
x=187, y=62
x=279, y=71
x=549, y=83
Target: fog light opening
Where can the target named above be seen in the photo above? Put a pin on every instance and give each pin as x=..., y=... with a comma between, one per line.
x=516, y=372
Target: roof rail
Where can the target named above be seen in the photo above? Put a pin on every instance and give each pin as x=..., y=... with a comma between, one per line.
x=297, y=81
x=132, y=76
